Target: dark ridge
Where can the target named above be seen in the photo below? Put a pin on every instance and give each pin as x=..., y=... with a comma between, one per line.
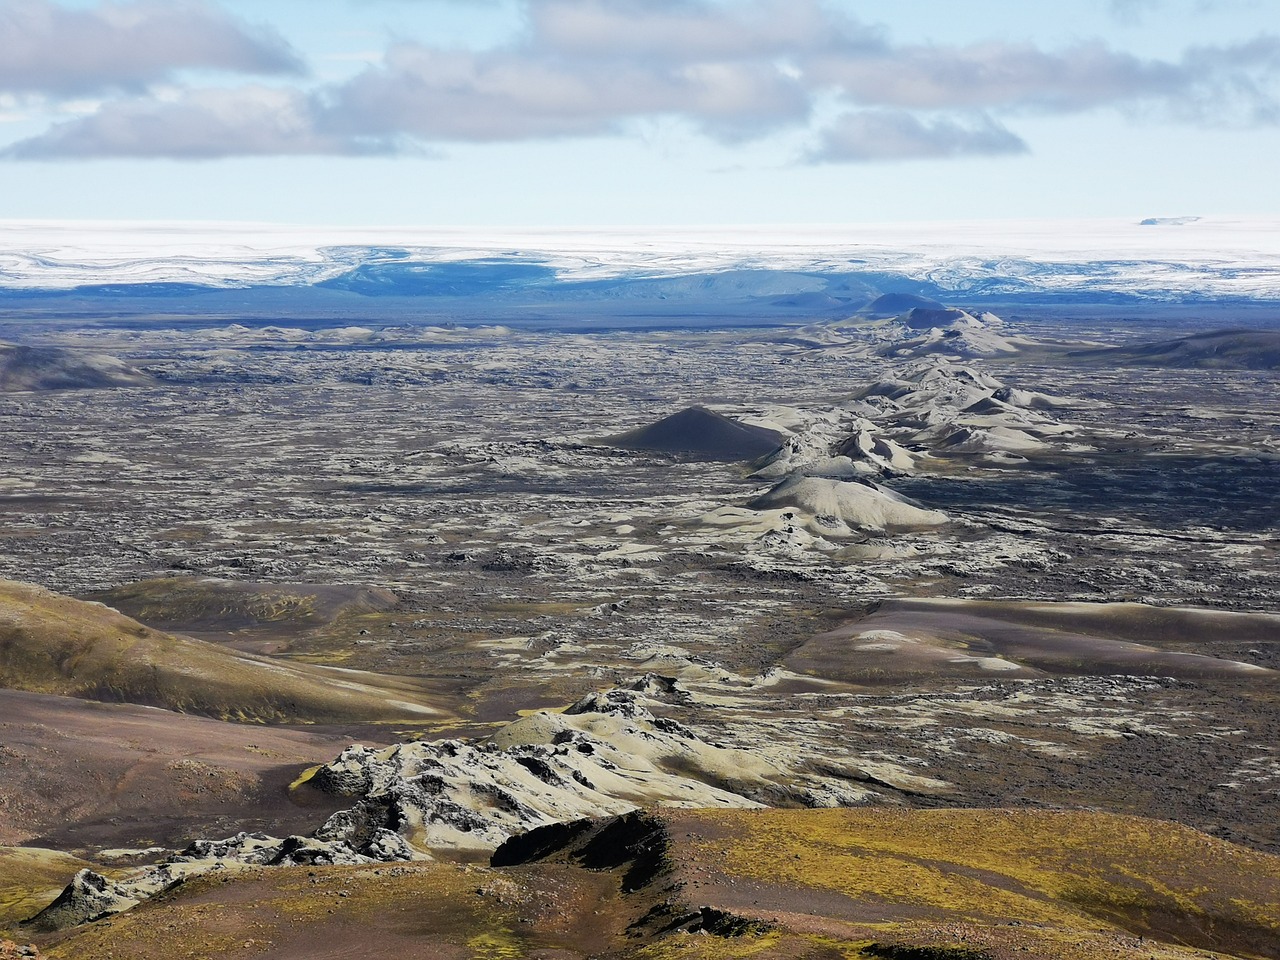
x=541, y=843
x=1232, y=349
x=924, y=318
x=895, y=304
x=702, y=434
x=635, y=841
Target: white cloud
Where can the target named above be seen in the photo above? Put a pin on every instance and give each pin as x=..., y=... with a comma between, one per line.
x=453, y=95
x=1021, y=76
x=684, y=30
x=50, y=49
x=582, y=68
x=869, y=135
x=197, y=125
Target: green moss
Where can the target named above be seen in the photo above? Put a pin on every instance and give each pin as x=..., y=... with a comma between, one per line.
x=500, y=945
x=694, y=946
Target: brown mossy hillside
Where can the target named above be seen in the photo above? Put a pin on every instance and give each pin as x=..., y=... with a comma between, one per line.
x=1056, y=875
x=291, y=913
x=922, y=885
x=53, y=644
x=205, y=604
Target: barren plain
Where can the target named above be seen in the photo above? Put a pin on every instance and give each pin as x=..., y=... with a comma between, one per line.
x=302, y=623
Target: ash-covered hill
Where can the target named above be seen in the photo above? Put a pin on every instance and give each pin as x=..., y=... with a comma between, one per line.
x=25, y=367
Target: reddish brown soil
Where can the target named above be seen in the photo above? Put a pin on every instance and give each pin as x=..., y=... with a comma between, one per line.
x=78, y=775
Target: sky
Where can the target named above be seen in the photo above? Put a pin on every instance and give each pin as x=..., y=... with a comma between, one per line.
x=548, y=113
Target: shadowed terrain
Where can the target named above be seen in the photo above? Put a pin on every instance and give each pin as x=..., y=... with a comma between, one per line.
x=1219, y=349
x=246, y=615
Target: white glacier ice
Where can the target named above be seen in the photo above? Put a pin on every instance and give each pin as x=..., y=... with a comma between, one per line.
x=1164, y=258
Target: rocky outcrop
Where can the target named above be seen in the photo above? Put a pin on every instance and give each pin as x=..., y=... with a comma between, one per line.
x=16, y=951
x=949, y=332
x=91, y=896
x=88, y=897
x=607, y=754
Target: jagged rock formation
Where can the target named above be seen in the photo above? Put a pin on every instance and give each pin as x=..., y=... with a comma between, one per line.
x=606, y=754
x=808, y=450
x=952, y=409
x=877, y=453
x=88, y=897
x=932, y=385
x=946, y=318
x=829, y=475
x=91, y=896
x=817, y=453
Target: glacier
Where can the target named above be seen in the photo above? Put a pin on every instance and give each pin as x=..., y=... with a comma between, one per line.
x=1158, y=258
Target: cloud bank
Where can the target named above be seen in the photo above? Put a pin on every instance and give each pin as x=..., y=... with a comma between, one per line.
x=49, y=49
x=584, y=68
x=199, y=125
